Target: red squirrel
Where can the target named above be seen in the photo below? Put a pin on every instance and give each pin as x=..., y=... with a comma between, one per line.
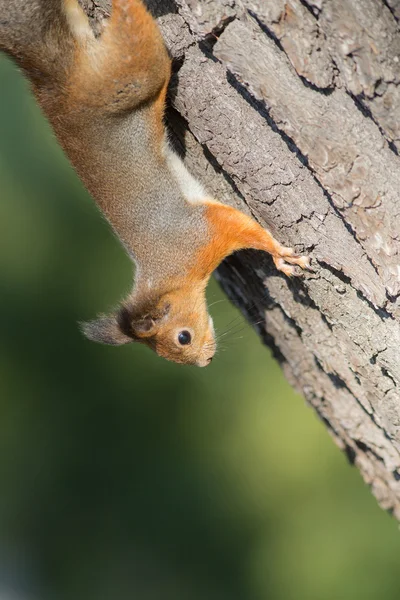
x=104, y=97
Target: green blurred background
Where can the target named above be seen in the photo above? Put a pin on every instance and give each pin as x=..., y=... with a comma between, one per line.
x=126, y=477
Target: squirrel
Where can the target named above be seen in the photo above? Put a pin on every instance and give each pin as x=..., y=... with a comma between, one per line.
x=104, y=97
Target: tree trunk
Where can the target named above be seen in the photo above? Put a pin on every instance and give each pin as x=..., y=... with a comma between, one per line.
x=290, y=110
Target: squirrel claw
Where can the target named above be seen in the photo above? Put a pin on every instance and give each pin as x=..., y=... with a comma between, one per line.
x=287, y=258
x=302, y=261
x=287, y=269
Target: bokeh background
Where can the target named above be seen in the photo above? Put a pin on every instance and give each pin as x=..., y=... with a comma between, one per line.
x=126, y=477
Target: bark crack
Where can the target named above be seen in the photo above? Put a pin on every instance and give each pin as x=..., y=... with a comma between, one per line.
x=363, y=108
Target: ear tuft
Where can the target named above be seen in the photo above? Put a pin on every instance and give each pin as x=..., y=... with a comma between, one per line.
x=105, y=330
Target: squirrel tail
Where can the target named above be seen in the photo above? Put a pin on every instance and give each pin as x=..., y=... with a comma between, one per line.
x=52, y=40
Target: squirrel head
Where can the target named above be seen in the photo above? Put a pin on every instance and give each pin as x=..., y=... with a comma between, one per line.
x=176, y=326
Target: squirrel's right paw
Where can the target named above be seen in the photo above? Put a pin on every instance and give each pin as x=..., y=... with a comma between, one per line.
x=286, y=258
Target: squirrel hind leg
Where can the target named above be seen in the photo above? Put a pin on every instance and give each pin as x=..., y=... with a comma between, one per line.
x=127, y=66
x=134, y=55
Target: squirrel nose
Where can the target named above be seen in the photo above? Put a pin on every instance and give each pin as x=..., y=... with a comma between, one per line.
x=204, y=362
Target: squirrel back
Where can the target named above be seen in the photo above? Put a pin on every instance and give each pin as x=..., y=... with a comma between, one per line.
x=105, y=97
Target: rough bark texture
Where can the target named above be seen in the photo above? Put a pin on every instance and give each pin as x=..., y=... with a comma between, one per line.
x=290, y=109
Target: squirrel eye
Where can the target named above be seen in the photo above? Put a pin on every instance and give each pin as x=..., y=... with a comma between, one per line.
x=184, y=338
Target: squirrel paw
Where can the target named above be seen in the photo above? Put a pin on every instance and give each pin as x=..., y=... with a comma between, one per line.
x=286, y=258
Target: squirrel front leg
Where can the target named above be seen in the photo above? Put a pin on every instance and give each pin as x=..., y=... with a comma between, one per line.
x=232, y=230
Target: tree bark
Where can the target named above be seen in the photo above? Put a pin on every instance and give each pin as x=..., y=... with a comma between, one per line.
x=290, y=110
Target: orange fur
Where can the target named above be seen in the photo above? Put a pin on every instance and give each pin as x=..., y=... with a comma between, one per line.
x=231, y=230
x=157, y=115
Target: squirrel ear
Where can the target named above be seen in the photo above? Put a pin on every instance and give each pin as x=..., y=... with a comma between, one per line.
x=144, y=327
x=148, y=325
x=105, y=330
